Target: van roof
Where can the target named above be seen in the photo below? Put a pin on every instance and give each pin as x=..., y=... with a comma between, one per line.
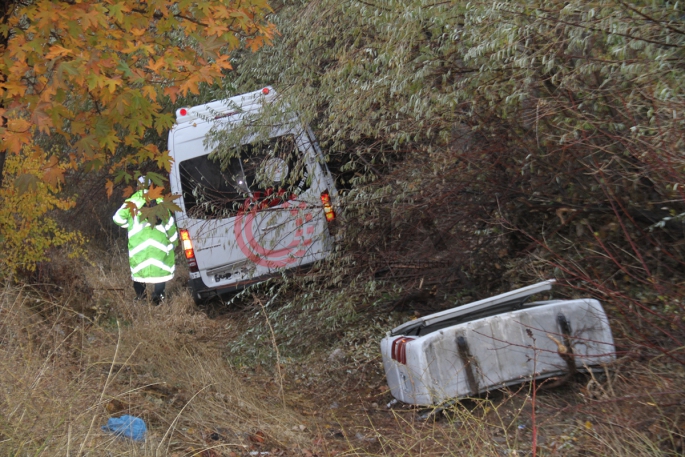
x=221, y=108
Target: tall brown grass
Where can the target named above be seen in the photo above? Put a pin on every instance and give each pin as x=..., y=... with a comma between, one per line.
x=70, y=362
x=64, y=370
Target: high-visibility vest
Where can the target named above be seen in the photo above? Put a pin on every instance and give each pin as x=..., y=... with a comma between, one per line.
x=150, y=247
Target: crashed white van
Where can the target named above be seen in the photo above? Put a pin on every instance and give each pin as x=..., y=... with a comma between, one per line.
x=263, y=207
x=493, y=343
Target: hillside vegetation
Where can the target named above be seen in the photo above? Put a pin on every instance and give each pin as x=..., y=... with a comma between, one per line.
x=486, y=145
x=479, y=147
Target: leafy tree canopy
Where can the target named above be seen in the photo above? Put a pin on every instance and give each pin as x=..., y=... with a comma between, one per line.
x=84, y=82
x=94, y=72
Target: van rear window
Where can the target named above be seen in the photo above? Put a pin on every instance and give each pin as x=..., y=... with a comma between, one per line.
x=260, y=175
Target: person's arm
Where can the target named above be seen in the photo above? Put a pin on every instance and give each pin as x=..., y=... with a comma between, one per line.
x=171, y=230
x=123, y=216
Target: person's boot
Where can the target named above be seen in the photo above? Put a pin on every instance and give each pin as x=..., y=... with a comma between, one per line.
x=158, y=294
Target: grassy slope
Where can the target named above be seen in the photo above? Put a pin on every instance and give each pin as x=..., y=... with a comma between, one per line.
x=69, y=363
x=63, y=373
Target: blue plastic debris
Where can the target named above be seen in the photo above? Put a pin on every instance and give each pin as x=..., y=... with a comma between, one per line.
x=127, y=426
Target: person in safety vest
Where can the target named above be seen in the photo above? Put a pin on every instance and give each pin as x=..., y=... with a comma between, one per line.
x=150, y=245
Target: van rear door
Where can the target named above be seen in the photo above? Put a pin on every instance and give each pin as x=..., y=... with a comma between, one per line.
x=251, y=214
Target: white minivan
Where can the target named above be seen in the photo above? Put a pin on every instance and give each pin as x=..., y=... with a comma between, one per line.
x=263, y=206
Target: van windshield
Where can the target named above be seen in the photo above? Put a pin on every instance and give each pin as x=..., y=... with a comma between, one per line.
x=257, y=175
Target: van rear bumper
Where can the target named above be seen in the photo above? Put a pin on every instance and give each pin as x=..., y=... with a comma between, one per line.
x=202, y=293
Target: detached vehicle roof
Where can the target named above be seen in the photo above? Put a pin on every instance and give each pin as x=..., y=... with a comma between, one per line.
x=499, y=303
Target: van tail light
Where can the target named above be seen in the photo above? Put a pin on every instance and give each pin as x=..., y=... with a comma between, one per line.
x=188, y=250
x=399, y=349
x=327, y=208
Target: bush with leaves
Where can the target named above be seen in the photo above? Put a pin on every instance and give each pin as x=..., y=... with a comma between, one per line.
x=27, y=230
x=486, y=145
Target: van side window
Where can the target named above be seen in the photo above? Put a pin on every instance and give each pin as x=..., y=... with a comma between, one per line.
x=257, y=176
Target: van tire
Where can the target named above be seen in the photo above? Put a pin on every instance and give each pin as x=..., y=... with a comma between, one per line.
x=195, y=293
x=197, y=299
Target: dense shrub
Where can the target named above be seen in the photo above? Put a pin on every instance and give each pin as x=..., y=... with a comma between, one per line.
x=485, y=145
x=29, y=232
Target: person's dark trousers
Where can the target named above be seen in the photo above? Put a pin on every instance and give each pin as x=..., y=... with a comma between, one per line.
x=157, y=294
x=139, y=287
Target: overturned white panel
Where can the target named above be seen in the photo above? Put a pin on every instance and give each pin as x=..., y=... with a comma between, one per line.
x=439, y=363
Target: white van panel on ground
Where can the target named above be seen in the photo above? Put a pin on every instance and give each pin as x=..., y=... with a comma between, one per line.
x=489, y=353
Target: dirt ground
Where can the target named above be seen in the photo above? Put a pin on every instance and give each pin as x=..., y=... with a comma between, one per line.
x=172, y=366
x=633, y=408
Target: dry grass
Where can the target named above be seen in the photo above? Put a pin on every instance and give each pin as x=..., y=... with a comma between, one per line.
x=64, y=373
x=67, y=365
x=634, y=409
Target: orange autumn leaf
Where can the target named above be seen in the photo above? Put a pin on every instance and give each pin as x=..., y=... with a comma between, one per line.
x=57, y=51
x=155, y=192
x=109, y=186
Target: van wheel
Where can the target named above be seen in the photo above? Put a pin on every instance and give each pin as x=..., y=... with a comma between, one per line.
x=199, y=301
x=197, y=297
